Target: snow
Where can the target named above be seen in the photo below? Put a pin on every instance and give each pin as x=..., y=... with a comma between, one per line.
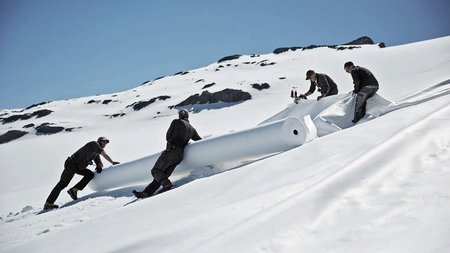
x=378, y=186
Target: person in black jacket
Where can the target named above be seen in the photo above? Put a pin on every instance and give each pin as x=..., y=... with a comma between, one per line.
x=365, y=86
x=76, y=164
x=177, y=137
x=325, y=85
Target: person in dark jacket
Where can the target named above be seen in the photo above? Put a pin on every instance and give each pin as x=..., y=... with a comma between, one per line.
x=177, y=137
x=325, y=85
x=365, y=86
x=76, y=164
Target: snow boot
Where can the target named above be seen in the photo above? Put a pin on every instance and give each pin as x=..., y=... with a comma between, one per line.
x=48, y=206
x=141, y=195
x=73, y=193
x=166, y=186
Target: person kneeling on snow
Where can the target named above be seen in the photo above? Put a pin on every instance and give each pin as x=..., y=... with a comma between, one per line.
x=365, y=86
x=76, y=164
x=177, y=137
x=325, y=84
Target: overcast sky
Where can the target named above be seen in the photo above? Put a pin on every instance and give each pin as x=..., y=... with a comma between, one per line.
x=60, y=49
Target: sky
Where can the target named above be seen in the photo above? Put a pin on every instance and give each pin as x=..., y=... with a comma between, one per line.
x=60, y=49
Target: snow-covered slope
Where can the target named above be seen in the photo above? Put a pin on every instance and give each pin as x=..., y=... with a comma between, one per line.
x=379, y=186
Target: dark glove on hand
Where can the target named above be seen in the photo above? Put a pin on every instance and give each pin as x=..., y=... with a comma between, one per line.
x=98, y=169
x=114, y=163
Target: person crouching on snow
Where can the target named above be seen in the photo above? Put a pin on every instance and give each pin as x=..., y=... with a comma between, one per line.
x=326, y=85
x=77, y=164
x=177, y=137
x=365, y=86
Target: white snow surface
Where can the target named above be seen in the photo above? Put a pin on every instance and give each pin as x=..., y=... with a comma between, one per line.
x=381, y=185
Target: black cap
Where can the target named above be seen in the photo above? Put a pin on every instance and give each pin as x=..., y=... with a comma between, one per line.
x=183, y=114
x=309, y=73
x=348, y=64
x=102, y=139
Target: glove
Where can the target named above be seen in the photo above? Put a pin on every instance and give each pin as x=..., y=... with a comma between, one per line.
x=302, y=96
x=114, y=163
x=98, y=169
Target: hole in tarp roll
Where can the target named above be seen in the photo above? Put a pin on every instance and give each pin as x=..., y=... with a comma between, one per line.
x=295, y=132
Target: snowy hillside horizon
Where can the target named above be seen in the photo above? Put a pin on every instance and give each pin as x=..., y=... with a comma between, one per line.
x=30, y=120
x=378, y=186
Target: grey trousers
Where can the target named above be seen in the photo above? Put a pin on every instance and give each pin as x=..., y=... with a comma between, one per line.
x=164, y=166
x=361, y=100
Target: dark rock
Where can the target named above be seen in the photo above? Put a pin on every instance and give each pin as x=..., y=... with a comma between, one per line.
x=11, y=135
x=282, y=78
x=382, y=45
x=181, y=73
x=349, y=48
x=364, y=40
x=208, y=85
x=31, y=106
x=229, y=58
x=141, y=104
x=161, y=77
x=93, y=101
x=267, y=64
x=41, y=113
x=28, y=125
x=47, y=128
x=107, y=101
x=261, y=86
x=38, y=114
x=360, y=41
x=200, y=80
x=16, y=117
x=285, y=49
x=227, y=95
x=117, y=115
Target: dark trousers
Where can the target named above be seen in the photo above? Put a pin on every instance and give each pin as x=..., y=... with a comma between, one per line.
x=164, y=166
x=332, y=92
x=361, y=101
x=69, y=171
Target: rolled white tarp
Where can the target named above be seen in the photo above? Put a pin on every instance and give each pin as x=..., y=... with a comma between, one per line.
x=262, y=140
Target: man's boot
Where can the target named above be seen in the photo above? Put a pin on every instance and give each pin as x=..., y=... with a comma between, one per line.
x=152, y=187
x=73, y=193
x=167, y=185
x=48, y=206
x=141, y=195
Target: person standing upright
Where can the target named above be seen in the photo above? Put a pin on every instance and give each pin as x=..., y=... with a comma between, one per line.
x=365, y=86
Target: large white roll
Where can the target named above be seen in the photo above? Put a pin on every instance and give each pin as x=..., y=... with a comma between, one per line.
x=260, y=141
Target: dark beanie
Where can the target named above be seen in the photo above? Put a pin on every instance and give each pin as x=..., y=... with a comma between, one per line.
x=348, y=64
